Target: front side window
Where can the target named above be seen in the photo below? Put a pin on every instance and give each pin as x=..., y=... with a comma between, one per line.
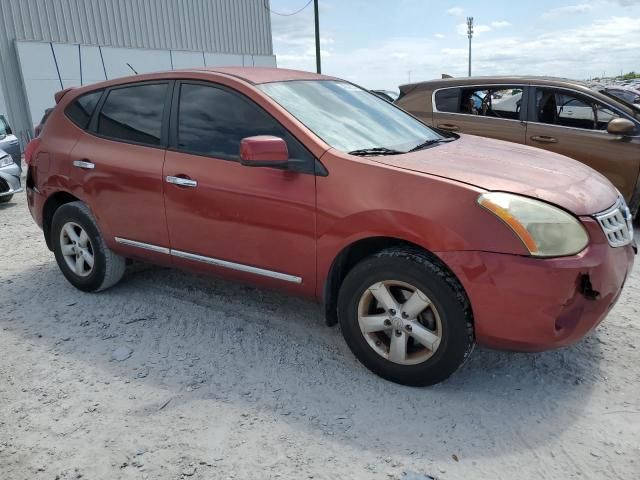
x=134, y=114
x=81, y=109
x=568, y=110
x=349, y=118
x=212, y=121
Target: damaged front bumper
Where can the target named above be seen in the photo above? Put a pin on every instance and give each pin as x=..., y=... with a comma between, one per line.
x=532, y=304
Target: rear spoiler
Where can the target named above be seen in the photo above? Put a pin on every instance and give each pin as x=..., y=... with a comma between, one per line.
x=58, y=95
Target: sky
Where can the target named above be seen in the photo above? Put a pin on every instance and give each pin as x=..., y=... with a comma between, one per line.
x=381, y=44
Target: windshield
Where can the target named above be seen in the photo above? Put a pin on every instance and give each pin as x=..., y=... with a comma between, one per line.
x=349, y=118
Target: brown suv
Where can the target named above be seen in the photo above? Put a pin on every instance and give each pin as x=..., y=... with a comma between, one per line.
x=563, y=116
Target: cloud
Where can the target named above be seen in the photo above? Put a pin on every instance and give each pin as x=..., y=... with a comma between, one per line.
x=455, y=12
x=500, y=24
x=294, y=40
x=568, y=10
x=607, y=45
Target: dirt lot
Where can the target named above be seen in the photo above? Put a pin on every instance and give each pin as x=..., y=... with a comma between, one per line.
x=171, y=375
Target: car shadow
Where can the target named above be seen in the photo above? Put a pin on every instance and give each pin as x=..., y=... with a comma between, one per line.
x=202, y=339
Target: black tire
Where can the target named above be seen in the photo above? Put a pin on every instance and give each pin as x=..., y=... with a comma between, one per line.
x=6, y=199
x=108, y=267
x=426, y=273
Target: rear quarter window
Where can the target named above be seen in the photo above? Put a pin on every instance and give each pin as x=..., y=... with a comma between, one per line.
x=448, y=100
x=82, y=108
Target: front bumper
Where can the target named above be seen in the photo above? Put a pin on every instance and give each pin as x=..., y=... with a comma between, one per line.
x=531, y=304
x=10, y=180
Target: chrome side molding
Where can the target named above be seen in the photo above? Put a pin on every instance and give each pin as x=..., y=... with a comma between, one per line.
x=144, y=246
x=211, y=261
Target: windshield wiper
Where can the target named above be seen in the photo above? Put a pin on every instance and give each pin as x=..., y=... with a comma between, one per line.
x=364, y=152
x=428, y=143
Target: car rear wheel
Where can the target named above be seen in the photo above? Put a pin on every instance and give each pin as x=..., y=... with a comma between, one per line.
x=406, y=317
x=80, y=251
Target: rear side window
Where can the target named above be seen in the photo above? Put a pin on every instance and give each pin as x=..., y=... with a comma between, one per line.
x=134, y=114
x=448, y=100
x=81, y=110
x=212, y=121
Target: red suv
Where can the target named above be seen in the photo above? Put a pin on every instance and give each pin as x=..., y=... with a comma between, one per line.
x=419, y=242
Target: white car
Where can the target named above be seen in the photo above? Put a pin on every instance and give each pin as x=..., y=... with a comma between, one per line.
x=9, y=142
x=9, y=177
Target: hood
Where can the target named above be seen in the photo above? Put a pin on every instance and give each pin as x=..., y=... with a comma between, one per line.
x=510, y=167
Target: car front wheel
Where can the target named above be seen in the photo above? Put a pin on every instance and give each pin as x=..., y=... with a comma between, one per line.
x=406, y=317
x=80, y=251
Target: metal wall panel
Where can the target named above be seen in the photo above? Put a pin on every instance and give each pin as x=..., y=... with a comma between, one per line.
x=237, y=27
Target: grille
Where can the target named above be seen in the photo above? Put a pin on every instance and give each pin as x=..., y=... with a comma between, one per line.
x=4, y=186
x=617, y=224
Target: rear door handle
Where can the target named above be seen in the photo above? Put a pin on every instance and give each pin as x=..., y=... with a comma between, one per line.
x=448, y=126
x=84, y=163
x=544, y=139
x=181, y=181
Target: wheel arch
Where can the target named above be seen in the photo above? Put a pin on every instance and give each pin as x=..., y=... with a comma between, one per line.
x=52, y=204
x=358, y=250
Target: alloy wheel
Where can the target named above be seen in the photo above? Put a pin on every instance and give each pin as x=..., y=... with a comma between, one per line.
x=77, y=249
x=399, y=322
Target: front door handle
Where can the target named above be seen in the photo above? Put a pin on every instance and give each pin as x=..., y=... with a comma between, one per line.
x=449, y=126
x=84, y=163
x=544, y=139
x=181, y=181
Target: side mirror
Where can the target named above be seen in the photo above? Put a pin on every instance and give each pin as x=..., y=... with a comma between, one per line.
x=264, y=151
x=636, y=101
x=8, y=130
x=621, y=126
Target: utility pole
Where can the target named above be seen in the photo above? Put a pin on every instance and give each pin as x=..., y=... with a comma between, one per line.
x=317, y=21
x=470, y=35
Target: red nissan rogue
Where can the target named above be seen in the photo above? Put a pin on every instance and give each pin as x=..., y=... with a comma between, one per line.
x=419, y=242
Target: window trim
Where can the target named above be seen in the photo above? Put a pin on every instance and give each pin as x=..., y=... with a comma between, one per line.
x=317, y=168
x=93, y=123
x=523, y=111
x=533, y=110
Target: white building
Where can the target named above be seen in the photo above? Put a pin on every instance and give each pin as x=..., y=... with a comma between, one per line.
x=48, y=45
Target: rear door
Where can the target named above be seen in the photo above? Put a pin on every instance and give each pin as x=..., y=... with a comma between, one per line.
x=574, y=124
x=257, y=224
x=487, y=111
x=116, y=167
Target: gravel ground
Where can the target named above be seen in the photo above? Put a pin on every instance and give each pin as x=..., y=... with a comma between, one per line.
x=171, y=375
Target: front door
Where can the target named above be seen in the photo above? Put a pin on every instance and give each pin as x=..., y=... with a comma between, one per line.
x=489, y=111
x=254, y=223
x=575, y=125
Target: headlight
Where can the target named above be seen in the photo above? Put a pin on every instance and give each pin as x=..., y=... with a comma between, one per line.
x=6, y=161
x=545, y=230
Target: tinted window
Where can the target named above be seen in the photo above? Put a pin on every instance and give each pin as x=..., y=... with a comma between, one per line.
x=81, y=109
x=212, y=121
x=447, y=100
x=134, y=114
x=568, y=110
